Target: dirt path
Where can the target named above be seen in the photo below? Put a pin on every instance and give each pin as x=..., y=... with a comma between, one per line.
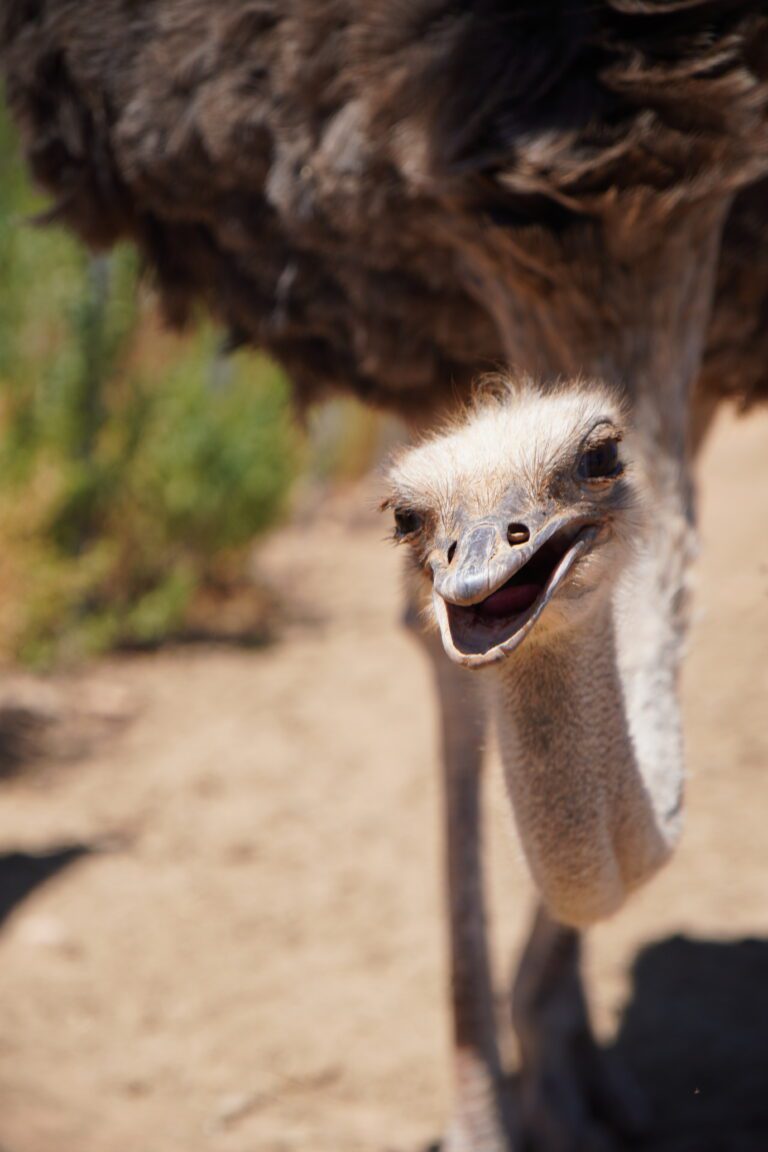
x=253, y=962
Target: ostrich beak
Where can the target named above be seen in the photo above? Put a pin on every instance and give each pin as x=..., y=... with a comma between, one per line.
x=489, y=596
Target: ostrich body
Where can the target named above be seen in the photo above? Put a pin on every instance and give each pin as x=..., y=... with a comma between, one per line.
x=391, y=198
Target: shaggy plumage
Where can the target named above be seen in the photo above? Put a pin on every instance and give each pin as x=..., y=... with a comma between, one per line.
x=311, y=170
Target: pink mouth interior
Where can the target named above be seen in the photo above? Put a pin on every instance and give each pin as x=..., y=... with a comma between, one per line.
x=522, y=590
x=509, y=600
x=477, y=628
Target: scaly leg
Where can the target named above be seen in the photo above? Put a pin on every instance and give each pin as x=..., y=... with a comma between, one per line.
x=482, y=1121
x=572, y=1096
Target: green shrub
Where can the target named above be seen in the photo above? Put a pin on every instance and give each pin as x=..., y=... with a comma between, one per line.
x=135, y=466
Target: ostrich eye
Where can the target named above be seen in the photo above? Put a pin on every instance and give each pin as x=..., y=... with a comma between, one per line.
x=601, y=462
x=406, y=522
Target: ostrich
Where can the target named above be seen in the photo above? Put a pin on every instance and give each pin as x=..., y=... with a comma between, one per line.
x=391, y=197
x=527, y=524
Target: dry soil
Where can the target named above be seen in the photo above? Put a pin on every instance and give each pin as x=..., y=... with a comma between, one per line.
x=235, y=943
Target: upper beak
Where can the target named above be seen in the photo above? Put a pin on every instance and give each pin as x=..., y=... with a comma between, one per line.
x=482, y=563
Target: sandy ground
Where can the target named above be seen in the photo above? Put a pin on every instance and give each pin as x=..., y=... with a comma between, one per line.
x=251, y=959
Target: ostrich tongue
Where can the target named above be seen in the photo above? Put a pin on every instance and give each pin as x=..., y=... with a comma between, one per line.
x=508, y=600
x=524, y=588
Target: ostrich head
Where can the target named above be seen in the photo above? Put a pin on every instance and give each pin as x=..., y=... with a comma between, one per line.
x=519, y=516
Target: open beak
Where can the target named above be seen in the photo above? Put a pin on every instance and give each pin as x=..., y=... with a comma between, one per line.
x=490, y=595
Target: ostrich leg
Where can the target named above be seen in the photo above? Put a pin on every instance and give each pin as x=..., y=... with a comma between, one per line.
x=482, y=1120
x=568, y=1085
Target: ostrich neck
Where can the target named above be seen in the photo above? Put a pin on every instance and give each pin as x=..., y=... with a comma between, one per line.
x=590, y=725
x=625, y=297
x=593, y=779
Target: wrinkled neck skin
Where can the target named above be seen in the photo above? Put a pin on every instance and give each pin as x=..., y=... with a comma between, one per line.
x=589, y=719
x=595, y=783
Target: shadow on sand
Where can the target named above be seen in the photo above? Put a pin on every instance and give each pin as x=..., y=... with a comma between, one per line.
x=695, y=1033
x=22, y=872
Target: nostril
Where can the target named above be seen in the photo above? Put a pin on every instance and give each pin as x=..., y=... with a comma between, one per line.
x=451, y=551
x=517, y=534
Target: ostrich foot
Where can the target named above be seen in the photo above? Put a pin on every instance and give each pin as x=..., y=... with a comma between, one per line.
x=461, y=1138
x=573, y=1097
x=483, y=1119
x=468, y=1137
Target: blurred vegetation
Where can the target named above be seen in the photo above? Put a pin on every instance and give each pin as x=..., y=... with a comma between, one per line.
x=135, y=466
x=345, y=438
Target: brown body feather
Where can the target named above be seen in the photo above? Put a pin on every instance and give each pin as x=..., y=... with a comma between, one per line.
x=307, y=169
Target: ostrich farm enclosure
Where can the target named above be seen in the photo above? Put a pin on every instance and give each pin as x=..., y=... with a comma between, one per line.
x=235, y=942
